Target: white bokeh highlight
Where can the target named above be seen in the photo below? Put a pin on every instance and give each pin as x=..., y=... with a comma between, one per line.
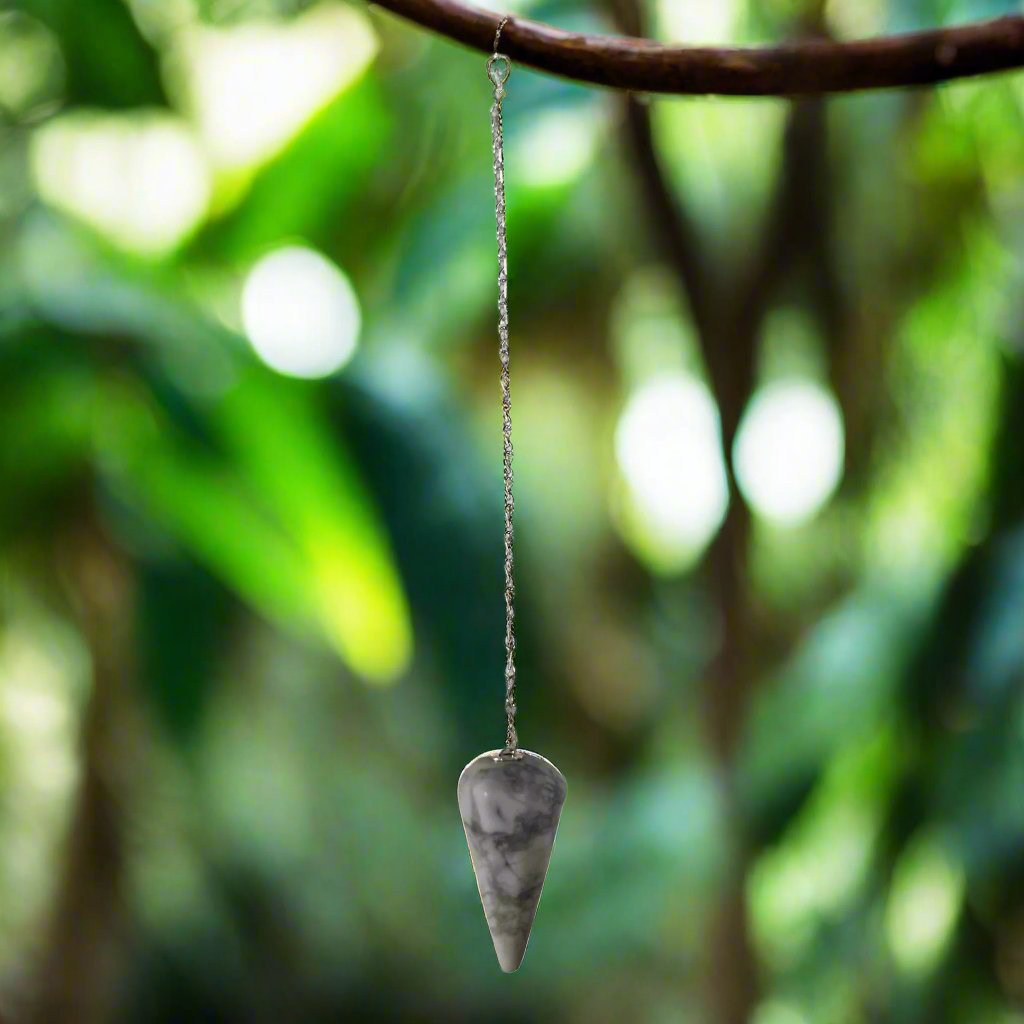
x=789, y=450
x=138, y=179
x=300, y=313
x=556, y=148
x=669, y=450
x=251, y=87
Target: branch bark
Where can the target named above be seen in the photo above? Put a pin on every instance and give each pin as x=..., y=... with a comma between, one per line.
x=805, y=68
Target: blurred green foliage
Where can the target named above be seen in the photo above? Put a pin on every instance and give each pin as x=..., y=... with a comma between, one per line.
x=251, y=625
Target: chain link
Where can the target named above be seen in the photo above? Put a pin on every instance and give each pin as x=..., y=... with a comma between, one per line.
x=498, y=70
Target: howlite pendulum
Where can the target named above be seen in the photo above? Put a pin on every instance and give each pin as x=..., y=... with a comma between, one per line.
x=510, y=799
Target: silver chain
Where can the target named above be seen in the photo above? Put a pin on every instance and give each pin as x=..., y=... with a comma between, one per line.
x=498, y=70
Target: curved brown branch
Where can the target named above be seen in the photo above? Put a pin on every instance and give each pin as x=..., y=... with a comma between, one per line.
x=805, y=68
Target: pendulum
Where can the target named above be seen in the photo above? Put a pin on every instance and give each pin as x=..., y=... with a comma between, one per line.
x=510, y=799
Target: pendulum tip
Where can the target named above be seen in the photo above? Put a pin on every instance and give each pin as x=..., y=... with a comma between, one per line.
x=510, y=959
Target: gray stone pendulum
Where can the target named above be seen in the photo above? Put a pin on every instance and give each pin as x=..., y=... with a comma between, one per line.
x=510, y=799
x=510, y=804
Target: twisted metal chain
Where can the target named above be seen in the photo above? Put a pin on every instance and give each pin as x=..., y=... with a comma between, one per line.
x=498, y=70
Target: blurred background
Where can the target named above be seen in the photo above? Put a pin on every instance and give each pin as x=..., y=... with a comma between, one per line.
x=768, y=385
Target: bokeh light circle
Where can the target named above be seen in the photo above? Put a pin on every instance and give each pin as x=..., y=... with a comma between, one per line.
x=300, y=313
x=789, y=450
x=669, y=450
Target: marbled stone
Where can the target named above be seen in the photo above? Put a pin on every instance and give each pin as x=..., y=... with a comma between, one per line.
x=510, y=809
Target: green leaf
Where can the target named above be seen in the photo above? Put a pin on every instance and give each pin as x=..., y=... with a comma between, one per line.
x=285, y=451
x=181, y=616
x=307, y=191
x=202, y=504
x=109, y=62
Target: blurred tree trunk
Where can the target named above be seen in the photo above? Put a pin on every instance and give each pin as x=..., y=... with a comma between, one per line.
x=728, y=307
x=79, y=965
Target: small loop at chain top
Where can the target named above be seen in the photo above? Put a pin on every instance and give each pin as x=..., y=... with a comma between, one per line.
x=499, y=67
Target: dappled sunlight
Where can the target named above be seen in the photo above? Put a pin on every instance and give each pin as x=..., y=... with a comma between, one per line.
x=308, y=553
x=251, y=87
x=944, y=377
x=300, y=313
x=709, y=148
x=925, y=901
x=789, y=450
x=138, y=178
x=314, y=490
x=43, y=682
x=669, y=451
x=817, y=873
x=555, y=147
x=360, y=605
x=857, y=19
x=776, y=1011
x=696, y=24
x=31, y=65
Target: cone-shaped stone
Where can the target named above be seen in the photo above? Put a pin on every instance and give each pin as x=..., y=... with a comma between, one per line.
x=510, y=808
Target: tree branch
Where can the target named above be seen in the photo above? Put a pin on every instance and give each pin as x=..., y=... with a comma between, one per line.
x=805, y=68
